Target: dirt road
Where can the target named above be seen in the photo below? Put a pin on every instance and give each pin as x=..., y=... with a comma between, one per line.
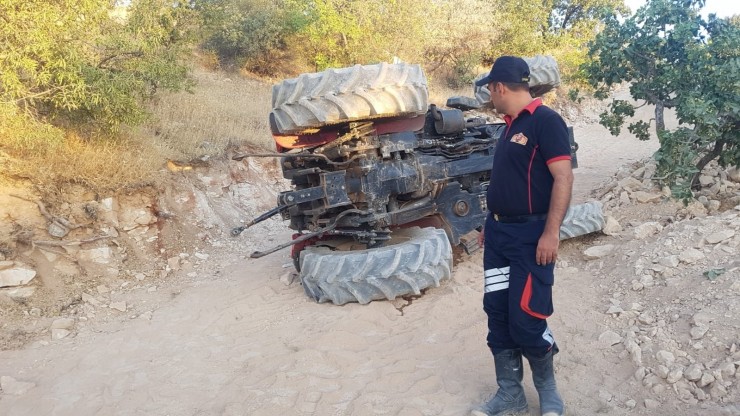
x=240, y=339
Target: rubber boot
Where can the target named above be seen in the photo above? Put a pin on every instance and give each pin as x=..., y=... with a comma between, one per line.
x=509, y=399
x=543, y=376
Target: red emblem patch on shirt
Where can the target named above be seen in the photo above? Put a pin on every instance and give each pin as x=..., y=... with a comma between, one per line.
x=519, y=138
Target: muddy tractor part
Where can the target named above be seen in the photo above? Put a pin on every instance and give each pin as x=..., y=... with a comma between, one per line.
x=384, y=184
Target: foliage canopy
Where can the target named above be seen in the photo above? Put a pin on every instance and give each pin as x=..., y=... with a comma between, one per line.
x=674, y=59
x=77, y=63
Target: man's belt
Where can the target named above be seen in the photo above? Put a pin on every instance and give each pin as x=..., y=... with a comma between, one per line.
x=518, y=218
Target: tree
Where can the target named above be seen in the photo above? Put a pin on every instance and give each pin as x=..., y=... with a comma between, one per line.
x=562, y=28
x=249, y=33
x=674, y=59
x=348, y=32
x=73, y=62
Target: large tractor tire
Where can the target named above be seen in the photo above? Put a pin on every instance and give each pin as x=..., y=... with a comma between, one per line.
x=582, y=219
x=543, y=77
x=341, y=95
x=415, y=259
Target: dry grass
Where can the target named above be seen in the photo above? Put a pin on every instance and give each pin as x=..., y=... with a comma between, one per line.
x=101, y=166
x=440, y=92
x=223, y=110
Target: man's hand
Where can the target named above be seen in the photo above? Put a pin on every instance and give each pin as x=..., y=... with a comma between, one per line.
x=481, y=238
x=547, y=248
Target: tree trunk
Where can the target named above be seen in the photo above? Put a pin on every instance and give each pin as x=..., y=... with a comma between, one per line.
x=659, y=117
x=713, y=154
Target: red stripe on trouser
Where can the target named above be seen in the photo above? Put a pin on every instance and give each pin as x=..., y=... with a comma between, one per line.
x=526, y=297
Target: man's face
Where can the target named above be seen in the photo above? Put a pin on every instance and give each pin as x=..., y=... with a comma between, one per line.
x=496, y=100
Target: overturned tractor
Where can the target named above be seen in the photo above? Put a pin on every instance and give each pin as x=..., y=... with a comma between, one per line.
x=384, y=184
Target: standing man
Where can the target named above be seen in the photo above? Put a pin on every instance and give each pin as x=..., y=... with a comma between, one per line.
x=528, y=196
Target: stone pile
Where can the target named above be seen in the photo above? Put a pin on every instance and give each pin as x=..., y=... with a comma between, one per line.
x=674, y=290
x=633, y=184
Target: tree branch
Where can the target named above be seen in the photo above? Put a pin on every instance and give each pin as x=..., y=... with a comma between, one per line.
x=716, y=151
x=135, y=54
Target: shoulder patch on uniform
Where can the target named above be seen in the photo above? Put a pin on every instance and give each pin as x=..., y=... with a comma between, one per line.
x=519, y=138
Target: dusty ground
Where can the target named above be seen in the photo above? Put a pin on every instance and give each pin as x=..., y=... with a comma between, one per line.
x=225, y=335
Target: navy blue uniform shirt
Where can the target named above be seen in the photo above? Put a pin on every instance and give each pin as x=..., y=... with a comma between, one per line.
x=521, y=183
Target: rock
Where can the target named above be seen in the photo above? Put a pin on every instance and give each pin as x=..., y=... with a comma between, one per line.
x=645, y=318
x=691, y=255
x=55, y=229
x=174, y=263
x=706, y=180
x=109, y=211
x=634, y=350
x=647, y=280
x=597, y=252
x=706, y=379
x=102, y=289
x=6, y=264
x=20, y=293
x=630, y=184
x=288, y=278
x=652, y=404
x=624, y=198
x=630, y=404
x=637, y=286
x=605, y=396
x=662, y=371
x=719, y=236
x=664, y=357
x=651, y=380
x=733, y=174
x=614, y=310
x=645, y=197
x=658, y=268
x=609, y=338
x=16, y=276
x=698, y=332
x=59, y=333
x=201, y=256
x=696, y=209
x=139, y=276
x=86, y=297
x=63, y=323
x=669, y=261
x=674, y=375
x=647, y=229
x=700, y=394
x=727, y=370
x=701, y=319
x=640, y=373
x=611, y=226
x=119, y=306
x=146, y=315
x=152, y=289
x=718, y=391
x=100, y=255
x=693, y=372
x=133, y=218
x=9, y=385
x=714, y=205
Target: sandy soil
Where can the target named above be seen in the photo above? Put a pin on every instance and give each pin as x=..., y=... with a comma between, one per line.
x=240, y=338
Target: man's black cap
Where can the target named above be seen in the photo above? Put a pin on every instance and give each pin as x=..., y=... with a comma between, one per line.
x=507, y=69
